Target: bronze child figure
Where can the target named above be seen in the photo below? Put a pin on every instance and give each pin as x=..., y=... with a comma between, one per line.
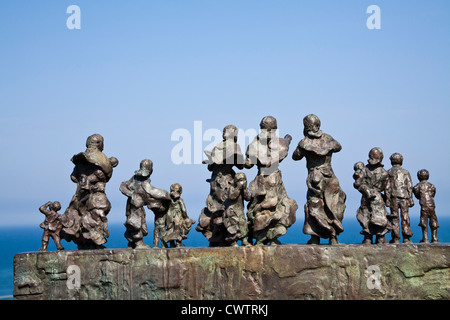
x=425, y=192
x=177, y=222
x=52, y=224
x=360, y=176
x=399, y=197
x=234, y=217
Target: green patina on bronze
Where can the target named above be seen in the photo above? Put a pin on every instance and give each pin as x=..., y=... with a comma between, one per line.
x=412, y=271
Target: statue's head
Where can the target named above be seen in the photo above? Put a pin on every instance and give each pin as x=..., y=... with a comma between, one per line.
x=375, y=156
x=95, y=141
x=268, y=123
x=230, y=132
x=268, y=127
x=56, y=206
x=396, y=159
x=423, y=175
x=145, y=168
x=240, y=179
x=176, y=190
x=311, y=122
x=358, y=166
x=114, y=161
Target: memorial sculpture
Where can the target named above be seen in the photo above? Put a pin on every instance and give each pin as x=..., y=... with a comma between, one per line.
x=84, y=222
x=325, y=206
x=371, y=181
x=425, y=192
x=221, y=161
x=141, y=193
x=270, y=211
x=52, y=225
x=399, y=198
x=177, y=222
x=234, y=218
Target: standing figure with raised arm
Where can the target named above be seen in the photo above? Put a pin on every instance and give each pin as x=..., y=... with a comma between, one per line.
x=52, y=225
x=399, y=198
x=221, y=161
x=425, y=192
x=270, y=211
x=325, y=205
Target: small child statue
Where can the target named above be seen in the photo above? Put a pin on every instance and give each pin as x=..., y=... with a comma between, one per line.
x=399, y=198
x=234, y=217
x=425, y=192
x=52, y=224
x=360, y=176
x=177, y=222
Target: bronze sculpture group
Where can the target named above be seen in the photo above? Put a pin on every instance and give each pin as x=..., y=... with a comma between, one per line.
x=270, y=212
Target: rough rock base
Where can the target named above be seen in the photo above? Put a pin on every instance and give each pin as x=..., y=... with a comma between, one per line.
x=413, y=271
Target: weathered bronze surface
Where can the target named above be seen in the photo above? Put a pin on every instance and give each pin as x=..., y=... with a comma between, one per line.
x=141, y=193
x=403, y=271
x=84, y=221
x=371, y=181
x=270, y=211
x=177, y=223
x=325, y=205
x=425, y=192
x=399, y=198
x=52, y=224
x=234, y=218
x=221, y=161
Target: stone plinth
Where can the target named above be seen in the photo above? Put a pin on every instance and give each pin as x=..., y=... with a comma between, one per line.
x=413, y=271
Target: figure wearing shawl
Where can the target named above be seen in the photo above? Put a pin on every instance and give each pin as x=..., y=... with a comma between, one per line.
x=84, y=221
x=270, y=211
x=325, y=205
x=221, y=160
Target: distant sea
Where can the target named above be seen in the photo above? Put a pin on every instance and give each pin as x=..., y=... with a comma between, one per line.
x=15, y=240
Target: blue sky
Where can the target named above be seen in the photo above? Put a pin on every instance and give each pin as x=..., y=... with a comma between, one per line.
x=138, y=70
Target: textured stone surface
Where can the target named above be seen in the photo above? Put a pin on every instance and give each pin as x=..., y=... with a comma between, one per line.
x=413, y=271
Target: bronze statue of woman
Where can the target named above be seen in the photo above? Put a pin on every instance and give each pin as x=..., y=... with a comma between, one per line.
x=84, y=221
x=221, y=161
x=325, y=205
x=270, y=211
